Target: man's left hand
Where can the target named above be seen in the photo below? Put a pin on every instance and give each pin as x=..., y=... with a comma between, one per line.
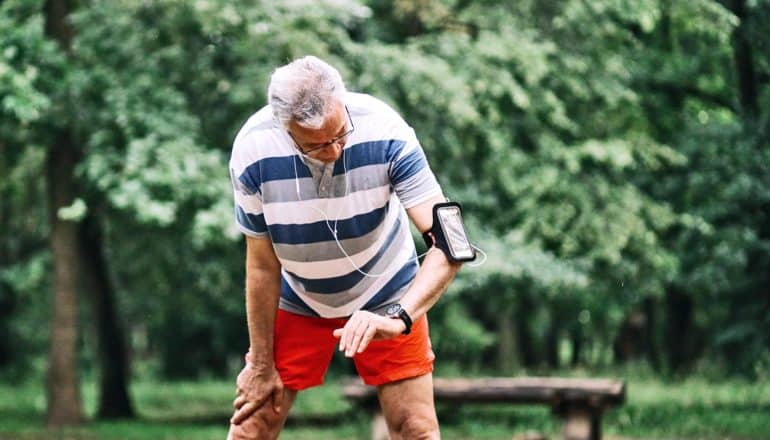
x=364, y=327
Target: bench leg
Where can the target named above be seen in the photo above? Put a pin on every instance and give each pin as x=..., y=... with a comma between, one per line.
x=379, y=427
x=582, y=424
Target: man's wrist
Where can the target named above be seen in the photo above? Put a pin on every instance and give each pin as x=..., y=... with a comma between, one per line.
x=259, y=360
x=395, y=311
x=401, y=324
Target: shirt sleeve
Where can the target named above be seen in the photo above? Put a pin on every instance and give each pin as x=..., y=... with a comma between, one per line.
x=410, y=174
x=249, y=217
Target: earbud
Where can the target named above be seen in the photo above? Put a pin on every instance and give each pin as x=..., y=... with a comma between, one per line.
x=296, y=176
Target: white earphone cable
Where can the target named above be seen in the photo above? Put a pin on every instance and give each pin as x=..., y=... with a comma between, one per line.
x=333, y=230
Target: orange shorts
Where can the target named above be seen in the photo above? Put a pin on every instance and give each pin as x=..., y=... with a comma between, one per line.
x=304, y=346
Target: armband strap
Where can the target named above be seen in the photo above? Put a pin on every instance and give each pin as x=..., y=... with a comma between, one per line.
x=448, y=233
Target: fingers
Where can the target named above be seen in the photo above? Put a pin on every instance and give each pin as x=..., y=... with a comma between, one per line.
x=239, y=402
x=358, y=332
x=355, y=339
x=345, y=337
x=245, y=407
x=352, y=327
x=277, y=399
x=245, y=411
x=368, y=336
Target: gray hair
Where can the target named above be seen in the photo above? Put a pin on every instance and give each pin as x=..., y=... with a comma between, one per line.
x=303, y=90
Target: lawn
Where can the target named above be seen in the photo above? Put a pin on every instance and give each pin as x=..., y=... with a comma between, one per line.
x=695, y=408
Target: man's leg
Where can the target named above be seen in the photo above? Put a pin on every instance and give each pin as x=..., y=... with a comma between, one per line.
x=265, y=423
x=401, y=369
x=304, y=347
x=408, y=408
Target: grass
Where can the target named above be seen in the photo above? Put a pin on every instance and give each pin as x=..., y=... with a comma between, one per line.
x=694, y=409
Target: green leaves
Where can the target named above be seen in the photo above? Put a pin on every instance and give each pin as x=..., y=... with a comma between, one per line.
x=597, y=146
x=23, y=52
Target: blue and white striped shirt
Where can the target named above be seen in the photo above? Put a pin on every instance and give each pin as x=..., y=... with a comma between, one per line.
x=297, y=202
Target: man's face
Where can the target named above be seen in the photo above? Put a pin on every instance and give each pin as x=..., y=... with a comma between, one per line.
x=325, y=143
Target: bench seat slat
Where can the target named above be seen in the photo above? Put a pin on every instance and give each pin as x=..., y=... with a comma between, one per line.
x=516, y=390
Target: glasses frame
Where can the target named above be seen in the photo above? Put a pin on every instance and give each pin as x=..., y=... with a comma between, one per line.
x=329, y=143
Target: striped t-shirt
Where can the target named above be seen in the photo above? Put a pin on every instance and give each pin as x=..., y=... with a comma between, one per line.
x=298, y=202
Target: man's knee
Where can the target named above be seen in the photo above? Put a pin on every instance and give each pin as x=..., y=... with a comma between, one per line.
x=263, y=424
x=422, y=426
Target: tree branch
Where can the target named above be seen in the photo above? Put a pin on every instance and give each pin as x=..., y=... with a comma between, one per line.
x=691, y=91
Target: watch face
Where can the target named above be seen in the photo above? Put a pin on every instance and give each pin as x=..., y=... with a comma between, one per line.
x=393, y=309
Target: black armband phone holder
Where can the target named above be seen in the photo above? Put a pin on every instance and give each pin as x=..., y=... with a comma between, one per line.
x=448, y=233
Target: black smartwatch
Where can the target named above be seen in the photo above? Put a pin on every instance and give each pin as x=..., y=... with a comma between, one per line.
x=395, y=311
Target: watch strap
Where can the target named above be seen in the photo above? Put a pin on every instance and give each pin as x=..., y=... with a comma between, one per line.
x=407, y=321
x=395, y=311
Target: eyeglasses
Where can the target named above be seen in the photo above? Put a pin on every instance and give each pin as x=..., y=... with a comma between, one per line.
x=317, y=147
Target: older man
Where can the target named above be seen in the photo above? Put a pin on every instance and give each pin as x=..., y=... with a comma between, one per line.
x=324, y=180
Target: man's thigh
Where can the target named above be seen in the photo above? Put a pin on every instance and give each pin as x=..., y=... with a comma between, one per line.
x=304, y=346
x=402, y=357
x=408, y=408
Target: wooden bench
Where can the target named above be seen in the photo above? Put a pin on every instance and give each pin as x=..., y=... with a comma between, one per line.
x=579, y=402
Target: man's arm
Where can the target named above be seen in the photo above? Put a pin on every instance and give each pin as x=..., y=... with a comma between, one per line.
x=433, y=277
x=436, y=271
x=259, y=379
x=263, y=290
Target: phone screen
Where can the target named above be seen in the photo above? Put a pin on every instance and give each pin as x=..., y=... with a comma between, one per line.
x=452, y=223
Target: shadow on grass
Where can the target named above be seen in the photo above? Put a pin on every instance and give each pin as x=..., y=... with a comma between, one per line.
x=223, y=419
x=19, y=425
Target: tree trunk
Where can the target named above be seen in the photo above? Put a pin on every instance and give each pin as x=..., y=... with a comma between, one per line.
x=744, y=63
x=576, y=337
x=552, y=339
x=7, y=295
x=653, y=341
x=507, y=351
x=631, y=341
x=64, y=404
x=680, y=310
x=114, y=401
x=526, y=340
x=62, y=388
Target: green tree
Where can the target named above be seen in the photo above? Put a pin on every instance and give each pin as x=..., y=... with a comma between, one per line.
x=609, y=155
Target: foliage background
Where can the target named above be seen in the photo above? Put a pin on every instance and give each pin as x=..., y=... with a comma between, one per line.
x=612, y=157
